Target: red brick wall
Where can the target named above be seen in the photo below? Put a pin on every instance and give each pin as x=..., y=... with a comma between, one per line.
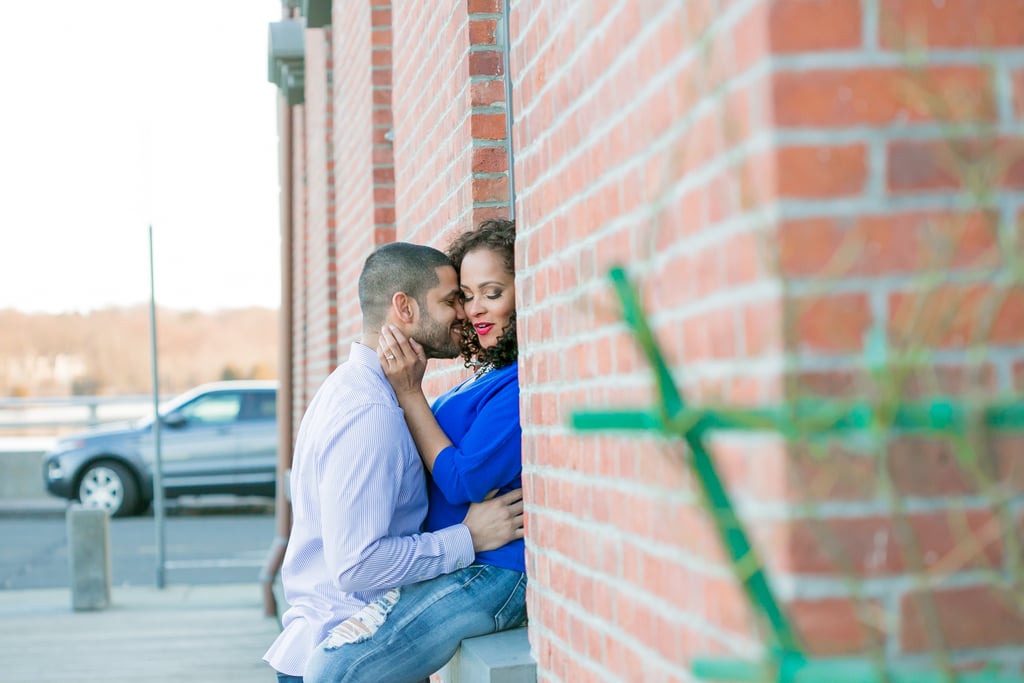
x=433, y=139
x=631, y=137
x=894, y=233
x=321, y=279
x=777, y=180
x=450, y=164
x=364, y=175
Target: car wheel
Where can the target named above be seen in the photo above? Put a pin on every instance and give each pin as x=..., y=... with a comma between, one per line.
x=110, y=486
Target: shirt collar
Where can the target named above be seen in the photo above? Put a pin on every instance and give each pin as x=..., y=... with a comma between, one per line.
x=364, y=355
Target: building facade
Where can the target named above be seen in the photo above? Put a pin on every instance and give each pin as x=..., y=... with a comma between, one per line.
x=817, y=199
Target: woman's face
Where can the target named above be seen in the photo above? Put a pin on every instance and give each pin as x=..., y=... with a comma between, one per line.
x=489, y=294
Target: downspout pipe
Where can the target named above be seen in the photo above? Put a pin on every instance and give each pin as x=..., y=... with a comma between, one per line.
x=282, y=502
x=509, y=148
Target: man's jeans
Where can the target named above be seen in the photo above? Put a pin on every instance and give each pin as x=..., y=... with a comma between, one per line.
x=423, y=629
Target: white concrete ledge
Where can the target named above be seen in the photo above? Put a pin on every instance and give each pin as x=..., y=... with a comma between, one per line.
x=496, y=658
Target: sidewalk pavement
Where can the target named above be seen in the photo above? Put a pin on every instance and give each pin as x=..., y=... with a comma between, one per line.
x=50, y=506
x=179, y=633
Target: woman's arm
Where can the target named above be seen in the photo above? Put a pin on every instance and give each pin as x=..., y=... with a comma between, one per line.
x=490, y=453
x=404, y=363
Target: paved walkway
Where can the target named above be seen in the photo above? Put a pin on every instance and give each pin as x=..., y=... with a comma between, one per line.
x=180, y=633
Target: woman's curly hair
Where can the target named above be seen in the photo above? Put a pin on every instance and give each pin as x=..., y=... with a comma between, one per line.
x=497, y=235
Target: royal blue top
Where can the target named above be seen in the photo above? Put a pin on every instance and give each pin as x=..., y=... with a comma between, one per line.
x=481, y=417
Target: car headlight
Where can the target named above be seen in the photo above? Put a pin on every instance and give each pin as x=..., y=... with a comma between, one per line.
x=54, y=470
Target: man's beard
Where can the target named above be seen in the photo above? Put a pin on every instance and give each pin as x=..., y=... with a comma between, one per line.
x=436, y=339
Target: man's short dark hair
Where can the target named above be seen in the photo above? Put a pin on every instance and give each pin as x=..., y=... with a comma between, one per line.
x=397, y=267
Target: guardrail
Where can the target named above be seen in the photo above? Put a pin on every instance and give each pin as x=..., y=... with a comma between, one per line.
x=54, y=414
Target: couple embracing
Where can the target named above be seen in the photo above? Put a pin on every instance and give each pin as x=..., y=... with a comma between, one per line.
x=386, y=573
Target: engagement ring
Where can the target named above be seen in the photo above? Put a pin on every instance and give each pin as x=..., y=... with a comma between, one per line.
x=389, y=357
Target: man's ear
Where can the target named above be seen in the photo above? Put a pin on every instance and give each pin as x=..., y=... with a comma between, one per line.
x=405, y=308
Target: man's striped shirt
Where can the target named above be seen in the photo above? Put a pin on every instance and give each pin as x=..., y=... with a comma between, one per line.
x=358, y=503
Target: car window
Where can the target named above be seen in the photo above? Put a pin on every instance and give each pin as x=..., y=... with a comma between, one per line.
x=215, y=409
x=260, y=405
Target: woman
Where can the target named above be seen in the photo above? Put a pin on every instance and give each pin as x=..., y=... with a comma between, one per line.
x=471, y=446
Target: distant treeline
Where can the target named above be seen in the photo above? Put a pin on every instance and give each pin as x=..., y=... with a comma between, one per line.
x=109, y=352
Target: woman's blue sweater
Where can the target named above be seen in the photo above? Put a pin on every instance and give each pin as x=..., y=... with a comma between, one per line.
x=481, y=417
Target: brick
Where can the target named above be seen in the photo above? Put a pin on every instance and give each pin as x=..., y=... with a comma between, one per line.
x=380, y=16
x=381, y=58
x=381, y=77
x=829, y=471
x=381, y=38
x=1009, y=455
x=928, y=467
x=484, y=6
x=487, y=93
x=970, y=617
x=486, y=63
x=814, y=25
x=488, y=126
x=912, y=24
x=837, y=626
x=873, y=245
x=830, y=323
x=950, y=164
x=958, y=316
x=820, y=172
x=725, y=604
x=762, y=328
x=930, y=380
x=849, y=97
x=481, y=31
x=948, y=542
x=489, y=160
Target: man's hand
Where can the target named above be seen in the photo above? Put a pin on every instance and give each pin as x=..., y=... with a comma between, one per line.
x=495, y=522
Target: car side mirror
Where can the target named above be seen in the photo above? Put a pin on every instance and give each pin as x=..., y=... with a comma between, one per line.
x=175, y=420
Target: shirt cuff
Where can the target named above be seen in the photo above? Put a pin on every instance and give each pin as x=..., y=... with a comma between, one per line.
x=457, y=547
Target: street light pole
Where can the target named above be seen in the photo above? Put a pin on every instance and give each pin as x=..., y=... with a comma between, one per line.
x=158, y=482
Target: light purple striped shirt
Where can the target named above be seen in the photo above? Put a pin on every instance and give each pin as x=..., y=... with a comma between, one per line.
x=358, y=501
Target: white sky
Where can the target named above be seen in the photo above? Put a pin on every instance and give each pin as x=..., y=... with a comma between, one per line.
x=124, y=113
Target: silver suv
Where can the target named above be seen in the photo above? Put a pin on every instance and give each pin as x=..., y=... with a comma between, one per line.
x=217, y=438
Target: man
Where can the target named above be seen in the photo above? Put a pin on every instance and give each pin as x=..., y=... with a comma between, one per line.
x=358, y=489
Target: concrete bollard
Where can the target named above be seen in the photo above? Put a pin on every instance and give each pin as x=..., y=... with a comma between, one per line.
x=89, y=555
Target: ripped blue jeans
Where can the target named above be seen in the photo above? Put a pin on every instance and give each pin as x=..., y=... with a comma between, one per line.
x=410, y=633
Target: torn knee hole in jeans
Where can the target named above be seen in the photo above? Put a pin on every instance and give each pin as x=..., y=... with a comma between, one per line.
x=364, y=623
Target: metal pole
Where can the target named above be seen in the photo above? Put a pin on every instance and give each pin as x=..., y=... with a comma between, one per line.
x=158, y=482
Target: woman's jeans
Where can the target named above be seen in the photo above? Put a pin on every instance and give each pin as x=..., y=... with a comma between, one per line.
x=424, y=627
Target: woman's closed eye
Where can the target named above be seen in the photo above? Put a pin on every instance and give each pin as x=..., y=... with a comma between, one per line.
x=489, y=295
